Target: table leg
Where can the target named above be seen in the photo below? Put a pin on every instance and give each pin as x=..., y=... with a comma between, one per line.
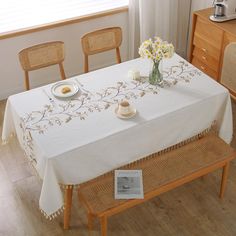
x=68, y=203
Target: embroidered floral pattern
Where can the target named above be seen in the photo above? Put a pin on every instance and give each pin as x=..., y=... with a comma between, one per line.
x=80, y=108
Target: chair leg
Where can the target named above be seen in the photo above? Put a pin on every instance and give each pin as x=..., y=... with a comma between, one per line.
x=86, y=67
x=62, y=72
x=27, y=87
x=118, y=58
x=224, y=179
x=103, y=221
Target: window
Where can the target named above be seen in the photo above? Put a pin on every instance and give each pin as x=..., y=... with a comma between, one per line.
x=24, y=14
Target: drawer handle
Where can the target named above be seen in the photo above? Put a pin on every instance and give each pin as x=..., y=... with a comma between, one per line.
x=203, y=67
x=204, y=50
x=204, y=58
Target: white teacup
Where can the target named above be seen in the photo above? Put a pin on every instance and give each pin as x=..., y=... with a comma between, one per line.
x=124, y=108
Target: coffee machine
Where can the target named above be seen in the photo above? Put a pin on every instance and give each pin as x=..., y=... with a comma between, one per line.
x=224, y=10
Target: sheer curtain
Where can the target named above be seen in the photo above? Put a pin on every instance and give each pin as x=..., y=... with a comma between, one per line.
x=168, y=19
x=134, y=28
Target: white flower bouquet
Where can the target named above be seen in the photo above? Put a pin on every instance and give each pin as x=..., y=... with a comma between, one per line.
x=156, y=50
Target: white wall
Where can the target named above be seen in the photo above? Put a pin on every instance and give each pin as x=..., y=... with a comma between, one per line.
x=11, y=74
x=201, y=4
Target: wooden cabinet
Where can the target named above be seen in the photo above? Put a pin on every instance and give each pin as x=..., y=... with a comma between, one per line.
x=208, y=42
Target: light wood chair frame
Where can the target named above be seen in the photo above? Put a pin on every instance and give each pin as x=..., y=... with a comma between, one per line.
x=40, y=56
x=95, y=42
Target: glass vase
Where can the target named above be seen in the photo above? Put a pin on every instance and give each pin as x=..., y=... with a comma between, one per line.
x=155, y=75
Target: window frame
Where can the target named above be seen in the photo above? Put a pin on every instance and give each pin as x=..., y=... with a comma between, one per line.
x=64, y=22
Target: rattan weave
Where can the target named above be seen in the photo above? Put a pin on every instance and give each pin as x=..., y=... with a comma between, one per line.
x=229, y=69
x=158, y=169
x=101, y=41
x=40, y=56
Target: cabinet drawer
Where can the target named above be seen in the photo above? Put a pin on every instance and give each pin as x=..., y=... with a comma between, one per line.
x=207, y=47
x=209, y=32
x=206, y=58
x=204, y=68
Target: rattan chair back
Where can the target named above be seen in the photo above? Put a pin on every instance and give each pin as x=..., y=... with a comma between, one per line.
x=40, y=56
x=100, y=41
x=228, y=75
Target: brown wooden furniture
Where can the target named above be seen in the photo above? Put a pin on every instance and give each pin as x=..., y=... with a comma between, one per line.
x=40, y=56
x=100, y=41
x=208, y=42
x=228, y=75
x=162, y=172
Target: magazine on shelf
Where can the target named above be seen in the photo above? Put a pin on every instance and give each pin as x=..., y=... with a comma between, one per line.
x=128, y=184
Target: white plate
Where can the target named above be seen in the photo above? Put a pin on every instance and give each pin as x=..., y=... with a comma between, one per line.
x=57, y=89
x=128, y=116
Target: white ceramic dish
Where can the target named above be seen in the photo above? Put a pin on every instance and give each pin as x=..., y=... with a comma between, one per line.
x=58, y=87
x=126, y=116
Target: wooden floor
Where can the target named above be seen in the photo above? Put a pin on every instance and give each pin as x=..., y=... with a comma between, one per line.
x=191, y=210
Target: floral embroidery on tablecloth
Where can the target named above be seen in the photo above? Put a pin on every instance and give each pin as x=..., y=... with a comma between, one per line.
x=89, y=102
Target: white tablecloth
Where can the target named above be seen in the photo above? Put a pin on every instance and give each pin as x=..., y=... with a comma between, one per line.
x=75, y=140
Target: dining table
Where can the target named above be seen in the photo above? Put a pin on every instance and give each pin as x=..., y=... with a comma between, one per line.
x=70, y=140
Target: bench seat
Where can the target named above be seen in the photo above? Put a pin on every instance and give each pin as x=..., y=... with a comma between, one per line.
x=162, y=172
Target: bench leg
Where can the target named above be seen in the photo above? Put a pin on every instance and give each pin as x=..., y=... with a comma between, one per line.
x=224, y=179
x=103, y=221
x=90, y=221
x=68, y=203
x=204, y=177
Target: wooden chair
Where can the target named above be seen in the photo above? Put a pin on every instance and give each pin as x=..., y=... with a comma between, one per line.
x=101, y=41
x=40, y=56
x=228, y=75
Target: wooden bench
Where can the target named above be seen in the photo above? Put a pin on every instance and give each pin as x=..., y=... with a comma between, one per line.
x=162, y=172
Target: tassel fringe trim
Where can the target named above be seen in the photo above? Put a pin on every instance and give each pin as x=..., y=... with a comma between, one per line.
x=211, y=129
x=54, y=215
x=66, y=186
x=6, y=141
x=58, y=212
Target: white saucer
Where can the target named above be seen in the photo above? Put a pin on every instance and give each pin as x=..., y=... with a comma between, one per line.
x=126, y=116
x=57, y=89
